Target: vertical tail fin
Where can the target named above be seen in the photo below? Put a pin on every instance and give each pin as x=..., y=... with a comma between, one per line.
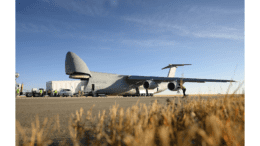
x=173, y=69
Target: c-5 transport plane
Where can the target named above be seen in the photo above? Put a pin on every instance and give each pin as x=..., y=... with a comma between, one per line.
x=113, y=84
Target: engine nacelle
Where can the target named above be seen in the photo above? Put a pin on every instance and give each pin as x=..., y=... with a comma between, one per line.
x=172, y=86
x=150, y=84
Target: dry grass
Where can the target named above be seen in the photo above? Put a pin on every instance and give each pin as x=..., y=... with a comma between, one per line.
x=210, y=122
x=39, y=134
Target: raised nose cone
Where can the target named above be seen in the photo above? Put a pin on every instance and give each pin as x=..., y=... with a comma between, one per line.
x=74, y=65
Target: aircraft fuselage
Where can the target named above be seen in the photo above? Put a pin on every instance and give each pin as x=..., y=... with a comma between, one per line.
x=106, y=83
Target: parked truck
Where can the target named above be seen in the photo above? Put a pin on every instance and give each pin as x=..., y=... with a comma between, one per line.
x=74, y=86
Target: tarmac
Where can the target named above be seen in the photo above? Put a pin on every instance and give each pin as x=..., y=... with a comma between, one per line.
x=28, y=107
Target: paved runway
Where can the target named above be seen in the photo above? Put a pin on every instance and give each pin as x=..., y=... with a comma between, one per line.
x=28, y=107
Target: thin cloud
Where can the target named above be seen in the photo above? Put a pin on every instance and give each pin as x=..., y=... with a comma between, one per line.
x=204, y=9
x=161, y=25
x=193, y=21
x=38, y=28
x=149, y=43
x=105, y=48
x=218, y=35
x=221, y=32
x=212, y=31
x=90, y=7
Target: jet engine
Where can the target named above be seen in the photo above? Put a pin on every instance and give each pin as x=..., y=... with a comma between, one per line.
x=150, y=84
x=172, y=86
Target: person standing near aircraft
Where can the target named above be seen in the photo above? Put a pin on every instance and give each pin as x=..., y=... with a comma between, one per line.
x=40, y=92
x=184, y=90
x=55, y=93
x=17, y=92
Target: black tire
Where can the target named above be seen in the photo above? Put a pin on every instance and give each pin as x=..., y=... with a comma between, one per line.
x=95, y=95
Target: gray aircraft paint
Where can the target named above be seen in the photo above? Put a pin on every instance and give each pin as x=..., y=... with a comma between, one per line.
x=105, y=83
x=114, y=84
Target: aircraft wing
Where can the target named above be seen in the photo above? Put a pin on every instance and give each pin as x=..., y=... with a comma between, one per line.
x=168, y=79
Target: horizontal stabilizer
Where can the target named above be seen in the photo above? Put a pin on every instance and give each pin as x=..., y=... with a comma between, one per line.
x=174, y=65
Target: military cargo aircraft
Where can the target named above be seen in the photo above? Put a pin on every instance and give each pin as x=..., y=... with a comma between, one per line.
x=97, y=83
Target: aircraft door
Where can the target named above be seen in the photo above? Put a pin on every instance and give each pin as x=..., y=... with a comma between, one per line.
x=93, y=87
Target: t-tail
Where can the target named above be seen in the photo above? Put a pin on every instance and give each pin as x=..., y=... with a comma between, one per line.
x=173, y=69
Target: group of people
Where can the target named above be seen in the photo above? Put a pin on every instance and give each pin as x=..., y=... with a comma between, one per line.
x=55, y=93
x=41, y=92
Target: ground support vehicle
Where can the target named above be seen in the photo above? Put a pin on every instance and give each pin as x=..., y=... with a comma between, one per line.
x=35, y=93
x=65, y=92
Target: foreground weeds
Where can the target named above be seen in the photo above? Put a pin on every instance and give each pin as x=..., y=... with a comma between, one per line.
x=208, y=122
x=39, y=134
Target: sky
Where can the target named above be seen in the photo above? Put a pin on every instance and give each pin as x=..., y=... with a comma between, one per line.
x=218, y=24
x=132, y=37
